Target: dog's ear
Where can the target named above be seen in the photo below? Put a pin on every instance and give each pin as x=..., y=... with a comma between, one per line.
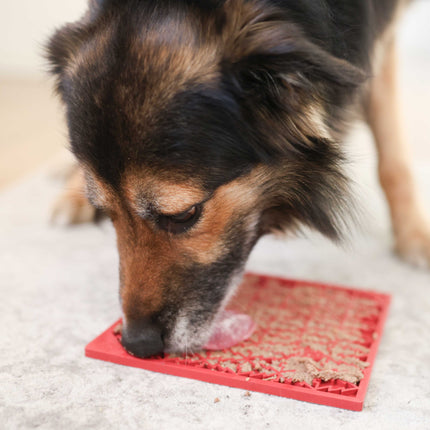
x=61, y=45
x=272, y=64
x=96, y=4
x=281, y=51
x=286, y=84
x=96, y=7
x=67, y=40
x=261, y=41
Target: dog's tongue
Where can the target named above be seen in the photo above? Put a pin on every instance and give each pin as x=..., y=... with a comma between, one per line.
x=229, y=329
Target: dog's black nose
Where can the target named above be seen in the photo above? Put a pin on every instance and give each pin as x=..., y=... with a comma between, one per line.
x=142, y=338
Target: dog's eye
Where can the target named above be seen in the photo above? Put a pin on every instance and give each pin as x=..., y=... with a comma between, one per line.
x=180, y=223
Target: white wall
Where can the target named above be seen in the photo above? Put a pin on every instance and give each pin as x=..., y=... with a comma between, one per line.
x=25, y=26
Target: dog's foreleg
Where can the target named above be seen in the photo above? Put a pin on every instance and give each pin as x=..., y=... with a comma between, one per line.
x=72, y=205
x=411, y=228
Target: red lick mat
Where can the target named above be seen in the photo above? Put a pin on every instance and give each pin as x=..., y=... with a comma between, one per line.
x=313, y=342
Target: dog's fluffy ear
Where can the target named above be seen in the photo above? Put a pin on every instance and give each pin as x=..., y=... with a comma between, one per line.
x=96, y=4
x=67, y=39
x=98, y=7
x=62, y=44
x=286, y=84
x=261, y=40
x=281, y=50
x=271, y=63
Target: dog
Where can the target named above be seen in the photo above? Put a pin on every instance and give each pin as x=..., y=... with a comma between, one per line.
x=200, y=126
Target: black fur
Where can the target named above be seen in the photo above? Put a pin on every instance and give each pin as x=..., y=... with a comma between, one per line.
x=215, y=133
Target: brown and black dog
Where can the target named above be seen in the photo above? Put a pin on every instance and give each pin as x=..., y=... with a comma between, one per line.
x=200, y=126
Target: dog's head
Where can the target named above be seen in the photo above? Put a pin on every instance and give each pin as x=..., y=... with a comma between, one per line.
x=199, y=128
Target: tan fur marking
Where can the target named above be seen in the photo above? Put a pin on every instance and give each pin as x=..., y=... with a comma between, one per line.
x=233, y=201
x=176, y=60
x=149, y=255
x=166, y=196
x=145, y=260
x=89, y=53
x=315, y=116
x=382, y=45
x=146, y=255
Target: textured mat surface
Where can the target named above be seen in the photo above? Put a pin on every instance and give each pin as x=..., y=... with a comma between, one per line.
x=313, y=342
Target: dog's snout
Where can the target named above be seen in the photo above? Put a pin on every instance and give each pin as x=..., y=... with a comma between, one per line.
x=142, y=338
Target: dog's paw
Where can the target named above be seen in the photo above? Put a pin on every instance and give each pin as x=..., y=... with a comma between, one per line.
x=413, y=245
x=72, y=207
